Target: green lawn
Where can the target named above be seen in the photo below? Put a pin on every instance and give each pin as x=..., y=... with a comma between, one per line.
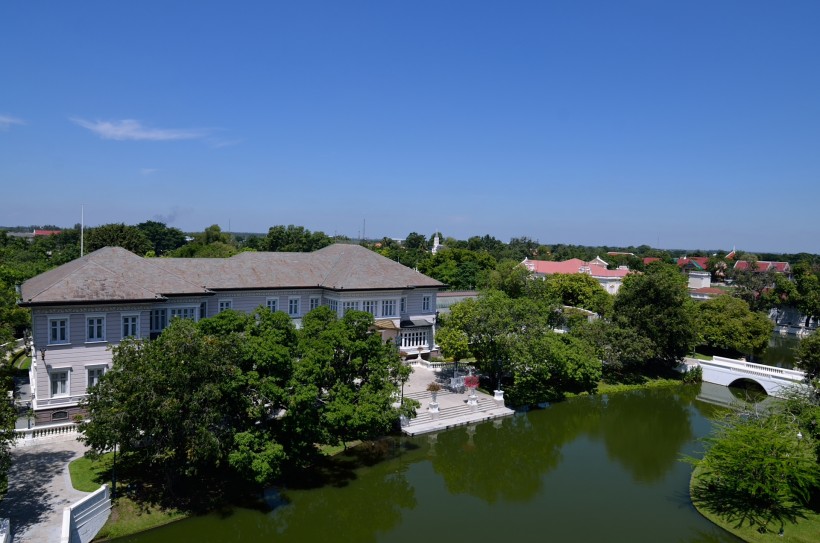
x=805, y=531
x=127, y=516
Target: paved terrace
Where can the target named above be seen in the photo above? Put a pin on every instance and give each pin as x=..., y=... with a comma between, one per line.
x=453, y=407
x=40, y=487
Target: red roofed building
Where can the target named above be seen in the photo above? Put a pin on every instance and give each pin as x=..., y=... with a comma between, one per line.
x=693, y=262
x=763, y=266
x=610, y=280
x=47, y=232
x=650, y=259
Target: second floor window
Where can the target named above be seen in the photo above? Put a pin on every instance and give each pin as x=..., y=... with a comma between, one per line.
x=184, y=313
x=159, y=319
x=403, y=305
x=96, y=329
x=130, y=326
x=388, y=308
x=314, y=302
x=58, y=331
x=347, y=306
x=370, y=306
x=225, y=305
x=293, y=307
x=273, y=304
x=425, y=303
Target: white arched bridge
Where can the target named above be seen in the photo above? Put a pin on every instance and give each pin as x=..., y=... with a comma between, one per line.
x=727, y=371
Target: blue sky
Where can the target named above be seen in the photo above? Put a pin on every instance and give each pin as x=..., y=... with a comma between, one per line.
x=689, y=124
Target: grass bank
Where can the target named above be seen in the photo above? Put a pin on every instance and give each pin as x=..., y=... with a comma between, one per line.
x=127, y=516
x=805, y=531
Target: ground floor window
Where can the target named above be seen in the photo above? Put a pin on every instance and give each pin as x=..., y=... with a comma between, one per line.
x=59, y=383
x=94, y=376
x=415, y=338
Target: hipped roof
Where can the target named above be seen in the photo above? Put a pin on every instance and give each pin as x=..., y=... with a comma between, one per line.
x=115, y=274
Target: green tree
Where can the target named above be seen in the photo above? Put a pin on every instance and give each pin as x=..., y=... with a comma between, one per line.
x=347, y=370
x=117, y=235
x=163, y=238
x=546, y=366
x=495, y=323
x=172, y=405
x=808, y=357
x=579, y=290
x=509, y=276
x=461, y=269
x=619, y=347
x=656, y=304
x=757, y=471
x=727, y=324
x=294, y=239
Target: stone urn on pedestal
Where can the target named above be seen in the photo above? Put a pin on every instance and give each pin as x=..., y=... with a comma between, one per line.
x=433, y=389
x=471, y=382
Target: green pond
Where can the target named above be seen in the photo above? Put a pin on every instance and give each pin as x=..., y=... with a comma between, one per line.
x=591, y=469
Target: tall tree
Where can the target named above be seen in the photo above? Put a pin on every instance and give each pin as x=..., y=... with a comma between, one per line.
x=726, y=323
x=162, y=237
x=656, y=304
x=580, y=290
x=117, y=235
x=172, y=404
x=294, y=239
x=808, y=358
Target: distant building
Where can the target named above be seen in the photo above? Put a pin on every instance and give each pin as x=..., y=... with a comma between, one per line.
x=763, y=266
x=610, y=280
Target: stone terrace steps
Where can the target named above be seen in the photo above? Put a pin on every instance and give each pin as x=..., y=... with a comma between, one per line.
x=423, y=416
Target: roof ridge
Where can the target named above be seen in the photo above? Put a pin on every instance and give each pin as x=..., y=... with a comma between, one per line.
x=332, y=267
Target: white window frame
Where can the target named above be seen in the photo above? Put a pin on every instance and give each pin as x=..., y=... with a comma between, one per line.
x=58, y=341
x=403, y=305
x=98, y=335
x=192, y=309
x=294, y=306
x=135, y=326
x=158, y=314
x=388, y=308
x=94, y=369
x=371, y=306
x=272, y=303
x=426, y=302
x=225, y=305
x=55, y=372
x=333, y=305
x=415, y=338
x=350, y=305
x=315, y=301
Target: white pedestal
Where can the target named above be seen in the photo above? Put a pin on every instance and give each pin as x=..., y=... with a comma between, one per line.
x=433, y=410
x=499, y=398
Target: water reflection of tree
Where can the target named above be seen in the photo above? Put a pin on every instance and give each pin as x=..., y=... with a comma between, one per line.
x=357, y=512
x=649, y=446
x=506, y=460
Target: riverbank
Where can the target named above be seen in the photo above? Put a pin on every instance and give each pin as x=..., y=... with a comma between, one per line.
x=805, y=531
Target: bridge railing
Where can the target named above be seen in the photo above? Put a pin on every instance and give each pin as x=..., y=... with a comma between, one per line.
x=760, y=370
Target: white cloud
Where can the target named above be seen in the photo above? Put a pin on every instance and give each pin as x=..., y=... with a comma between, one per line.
x=7, y=122
x=130, y=129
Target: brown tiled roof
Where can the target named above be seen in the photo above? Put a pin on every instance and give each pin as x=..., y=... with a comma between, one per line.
x=114, y=274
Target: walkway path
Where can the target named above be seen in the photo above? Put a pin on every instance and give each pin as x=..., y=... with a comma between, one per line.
x=39, y=489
